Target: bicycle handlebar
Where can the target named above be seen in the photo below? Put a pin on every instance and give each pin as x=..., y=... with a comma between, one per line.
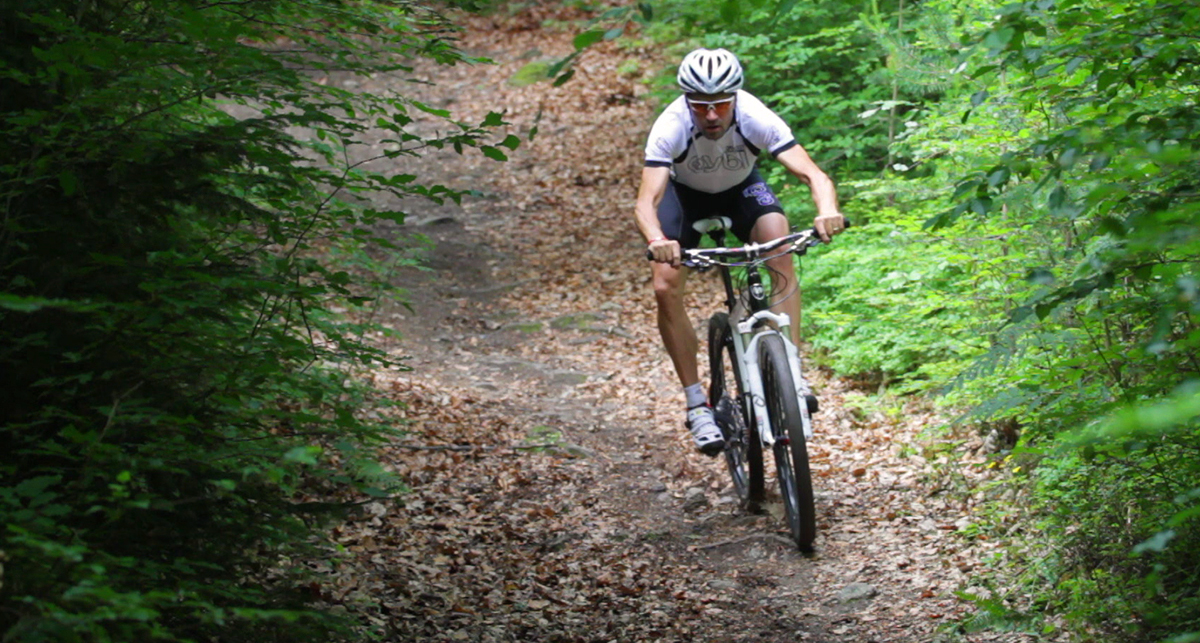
x=800, y=243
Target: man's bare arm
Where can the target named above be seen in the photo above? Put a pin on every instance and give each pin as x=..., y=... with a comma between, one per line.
x=650, y=194
x=829, y=219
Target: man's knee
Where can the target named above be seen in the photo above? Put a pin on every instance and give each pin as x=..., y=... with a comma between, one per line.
x=668, y=285
x=770, y=226
x=784, y=266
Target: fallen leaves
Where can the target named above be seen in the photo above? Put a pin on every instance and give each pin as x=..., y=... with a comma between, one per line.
x=554, y=494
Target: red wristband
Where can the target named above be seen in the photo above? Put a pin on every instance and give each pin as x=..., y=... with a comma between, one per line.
x=659, y=239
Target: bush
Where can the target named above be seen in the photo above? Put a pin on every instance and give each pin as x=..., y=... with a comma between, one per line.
x=169, y=385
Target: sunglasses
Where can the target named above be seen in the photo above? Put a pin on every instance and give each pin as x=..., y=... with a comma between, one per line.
x=721, y=107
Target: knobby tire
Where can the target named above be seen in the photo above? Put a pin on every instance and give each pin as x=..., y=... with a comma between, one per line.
x=743, y=449
x=791, y=459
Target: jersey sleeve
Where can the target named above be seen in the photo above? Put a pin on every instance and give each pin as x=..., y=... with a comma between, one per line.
x=666, y=141
x=764, y=128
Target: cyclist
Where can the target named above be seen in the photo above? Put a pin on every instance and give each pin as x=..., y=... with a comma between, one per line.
x=700, y=162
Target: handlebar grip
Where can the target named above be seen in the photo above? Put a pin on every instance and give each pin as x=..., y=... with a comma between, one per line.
x=844, y=219
x=847, y=221
x=649, y=256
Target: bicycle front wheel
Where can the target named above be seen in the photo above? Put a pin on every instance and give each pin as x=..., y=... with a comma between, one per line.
x=791, y=451
x=743, y=449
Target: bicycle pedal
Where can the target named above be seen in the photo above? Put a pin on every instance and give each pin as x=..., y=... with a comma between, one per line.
x=713, y=449
x=724, y=413
x=813, y=406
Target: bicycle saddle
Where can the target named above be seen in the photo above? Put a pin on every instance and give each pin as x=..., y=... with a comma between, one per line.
x=704, y=226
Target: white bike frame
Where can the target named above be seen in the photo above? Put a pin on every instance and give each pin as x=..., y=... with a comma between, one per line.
x=745, y=348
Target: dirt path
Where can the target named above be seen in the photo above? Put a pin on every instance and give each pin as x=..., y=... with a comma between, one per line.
x=555, y=495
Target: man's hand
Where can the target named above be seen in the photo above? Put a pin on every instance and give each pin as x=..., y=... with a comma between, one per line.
x=829, y=225
x=666, y=251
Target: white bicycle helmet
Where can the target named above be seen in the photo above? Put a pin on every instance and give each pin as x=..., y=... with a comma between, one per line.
x=710, y=71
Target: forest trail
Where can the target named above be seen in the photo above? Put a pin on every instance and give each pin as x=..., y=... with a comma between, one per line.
x=555, y=494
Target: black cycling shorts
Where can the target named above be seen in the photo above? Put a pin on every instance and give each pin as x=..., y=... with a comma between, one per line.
x=744, y=203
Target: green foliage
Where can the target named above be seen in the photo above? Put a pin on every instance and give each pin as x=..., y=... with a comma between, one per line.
x=170, y=387
x=1023, y=176
x=608, y=25
x=817, y=64
x=880, y=319
x=1094, y=159
x=1112, y=569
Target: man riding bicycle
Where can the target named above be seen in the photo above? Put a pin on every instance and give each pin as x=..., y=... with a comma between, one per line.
x=700, y=163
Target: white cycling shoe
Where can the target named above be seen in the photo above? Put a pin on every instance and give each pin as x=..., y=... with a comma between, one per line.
x=705, y=431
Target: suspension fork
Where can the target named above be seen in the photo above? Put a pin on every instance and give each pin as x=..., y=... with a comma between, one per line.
x=748, y=332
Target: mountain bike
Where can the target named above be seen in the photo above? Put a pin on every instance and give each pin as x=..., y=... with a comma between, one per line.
x=757, y=389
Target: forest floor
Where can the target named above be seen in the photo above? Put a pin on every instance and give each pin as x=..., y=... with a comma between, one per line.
x=555, y=495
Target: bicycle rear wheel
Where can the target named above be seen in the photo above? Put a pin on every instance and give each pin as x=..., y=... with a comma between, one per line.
x=791, y=451
x=743, y=449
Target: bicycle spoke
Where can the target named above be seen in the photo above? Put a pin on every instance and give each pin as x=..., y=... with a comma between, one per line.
x=791, y=453
x=743, y=450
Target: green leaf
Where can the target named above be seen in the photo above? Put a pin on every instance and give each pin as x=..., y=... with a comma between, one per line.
x=303, y=455
x=1183, y=517
x=730, y=10
x=588, y=38
x=68, y=182
x=22, y=304
x=1107, y=79
x=999, y=177
x=534, y=72
x=561, y=64
x=978, y=97
x=967, y=186
x=493, y=119
x=1040, y=276
x=493, y=153
x=1156, y=543
x=997, y=40
x=981, y=206
x=1113, y=226
x=1020, y=314
x=443, y=113
x=612, y=13
x=1057, y=197
x=562, y=80
x=614, y=33
x=512, y=142
x=33, y=487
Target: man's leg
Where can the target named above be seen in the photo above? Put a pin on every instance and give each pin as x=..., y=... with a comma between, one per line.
x=783, y=270
x=677, y=333
x=680, y=340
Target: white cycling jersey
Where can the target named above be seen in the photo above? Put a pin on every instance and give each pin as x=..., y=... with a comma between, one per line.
x=715, y=166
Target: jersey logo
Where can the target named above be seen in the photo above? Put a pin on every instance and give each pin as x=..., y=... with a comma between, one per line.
x=733, y=159
x=761, y=193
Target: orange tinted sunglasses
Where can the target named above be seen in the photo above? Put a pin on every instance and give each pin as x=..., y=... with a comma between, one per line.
x=722, y=107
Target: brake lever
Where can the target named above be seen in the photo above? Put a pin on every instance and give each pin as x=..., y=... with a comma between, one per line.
x=699, y=264
x=815, y=239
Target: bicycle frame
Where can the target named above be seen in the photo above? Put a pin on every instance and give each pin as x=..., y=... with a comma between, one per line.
x=744, y=341
x=750, y=331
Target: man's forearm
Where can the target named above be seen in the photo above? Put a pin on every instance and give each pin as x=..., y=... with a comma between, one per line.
x=647, y=222
x=824, y=194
